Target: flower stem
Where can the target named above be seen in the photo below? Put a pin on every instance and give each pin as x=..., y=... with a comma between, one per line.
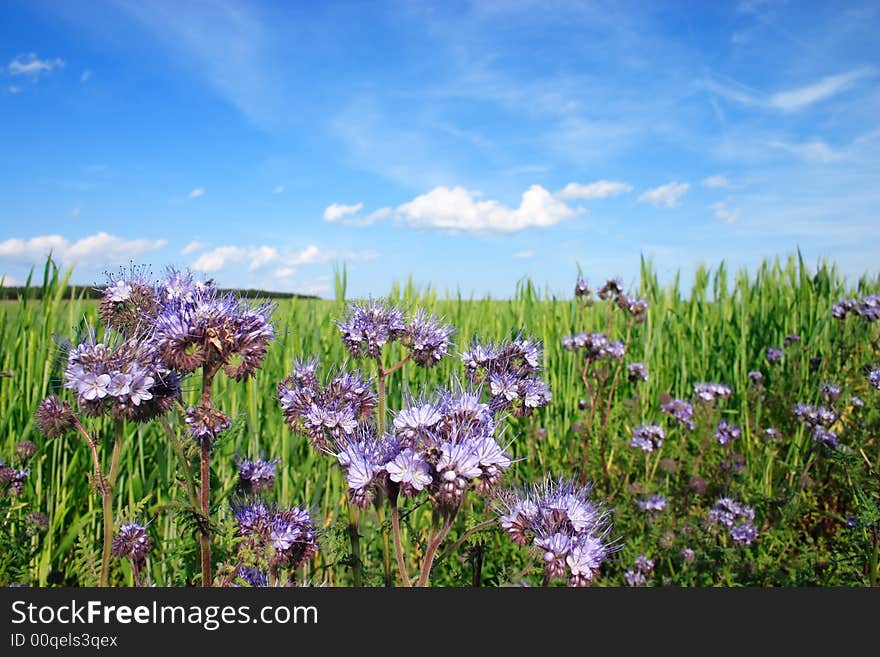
x=205, y=481
x=434, y=542
x=386, y=544
x=354, y=538
x=398, y=545
x=107, y=502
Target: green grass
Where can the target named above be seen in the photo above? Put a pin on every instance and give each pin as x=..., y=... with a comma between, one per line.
x=718, y=331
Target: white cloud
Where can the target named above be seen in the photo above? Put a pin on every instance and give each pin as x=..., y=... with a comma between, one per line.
x=790, y=100
x=86, y=74
x=192, y=247
x=30, y=64
x=795, y=99
x=75, y=212
x=262, y=256
x=716, y=182
x=337, y=211
x=725, y=213
x=198, y=191
x=665, y=196
x=100, y=248
x=457, y=209
x=258, y=257
x=598, y=189
x=811, y=151
x=220, y=257
x=529, y=253
x=278, y=190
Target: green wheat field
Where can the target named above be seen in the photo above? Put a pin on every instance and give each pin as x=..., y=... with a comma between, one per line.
x=816, y=507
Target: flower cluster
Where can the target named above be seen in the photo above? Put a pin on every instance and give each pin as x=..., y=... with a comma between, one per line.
x=127, y=380
x=559, y=519
x=681, y=411
x=131, y=542
x=709, y=392
x=129, y=302
x=648, y=437
x=368, y=327
x=737, y=517
x=595, y=345
x=637, y=372
x=638, y=574
x=874, y=377
x=726, y=433
x=581, y=288
x=774, y=355
x=274, y=537
x=819, y=421
x=326, y=414
x=256, y=477
x=12, y=479
x=511, y=372
x=655, y=502
x=637, y=308
x=198, y=326
x=440, y=446
x=54, y=417
x=868, y=308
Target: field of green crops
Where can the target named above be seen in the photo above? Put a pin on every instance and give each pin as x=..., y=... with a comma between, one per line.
x=816, y=509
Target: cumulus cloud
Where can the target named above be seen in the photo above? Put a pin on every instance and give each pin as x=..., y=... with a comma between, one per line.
x=198, y=191
x=716, y=182
x=459, y=209
x=665, y=196
x=725, y=213
x=100, y=248
x=598, y=189
x=262, y=256
x=30, y=64
x=219, y=258
x=337, y=211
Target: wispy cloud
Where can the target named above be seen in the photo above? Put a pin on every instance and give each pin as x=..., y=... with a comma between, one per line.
x=85, y=76
x=259, y=257
x=13, y=89
x=197, y=192
x=716, y=182
x=30, y=64
x=337, y=211
x=724, y=212
x=192, y=247
x=100, y=248
x=278, y=189
x=594, y=190
x=528, y=253
x=790, y=100
x=665, y=196
x=796, y=99
x=75, y=212
x=815, y=150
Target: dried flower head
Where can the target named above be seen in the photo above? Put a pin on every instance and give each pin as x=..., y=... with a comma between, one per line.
x=131, y=542
x=54, y=417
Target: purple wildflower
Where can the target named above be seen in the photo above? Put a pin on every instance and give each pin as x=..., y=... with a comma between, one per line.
x=774, y=355
x=874, y=377
x=868, y=308
x=368, y=327
x=830, y=391
x=709, y=392
x=648, y=437
x=825, y=436
x=410, y=471
x=653, y=503
x=426, y=339
x=726, y=433
x=511, y=370
x=131, y=542
x=205, y=423
x=54, y=417
x=581, y=289
x=638, y=574
x=637, y=372
x=256, y=476
x=611, y=288
x=755, y=377
x=790, y=339
x=681, y=411
x=737, y=518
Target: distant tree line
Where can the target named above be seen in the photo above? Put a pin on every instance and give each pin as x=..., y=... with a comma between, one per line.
x=94, y=292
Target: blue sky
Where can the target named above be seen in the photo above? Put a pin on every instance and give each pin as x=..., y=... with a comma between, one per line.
x=468, y=145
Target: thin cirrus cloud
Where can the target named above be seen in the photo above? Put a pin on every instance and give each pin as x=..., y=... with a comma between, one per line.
x=197, y=192
x=598, y=189
x=790, y=100
x=716, y=182
x=665, y=196
x=31, y=65
x=724, y=212
x=100, y=248
x=258, y=257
